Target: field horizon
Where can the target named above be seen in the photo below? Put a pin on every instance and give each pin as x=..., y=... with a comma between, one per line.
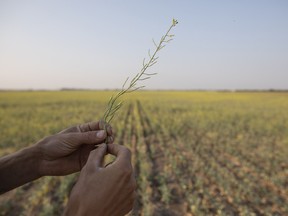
x=167, y=90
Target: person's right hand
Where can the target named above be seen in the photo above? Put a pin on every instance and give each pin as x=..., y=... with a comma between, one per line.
x=106, y=190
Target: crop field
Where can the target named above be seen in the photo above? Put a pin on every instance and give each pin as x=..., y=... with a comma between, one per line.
x=194, y=153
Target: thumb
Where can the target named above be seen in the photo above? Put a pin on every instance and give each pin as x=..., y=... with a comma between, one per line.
x=96, y=156
x=75, y=140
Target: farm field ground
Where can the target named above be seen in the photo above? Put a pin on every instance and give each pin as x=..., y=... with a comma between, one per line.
x=194, y=153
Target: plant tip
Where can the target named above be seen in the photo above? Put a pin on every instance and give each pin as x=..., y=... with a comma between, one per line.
x=174, y=22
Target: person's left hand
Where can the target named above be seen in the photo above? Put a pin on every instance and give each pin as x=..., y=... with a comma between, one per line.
x=67, y=152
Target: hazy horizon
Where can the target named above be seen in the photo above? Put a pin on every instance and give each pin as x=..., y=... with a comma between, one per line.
x=221, y=45
x=144, y=89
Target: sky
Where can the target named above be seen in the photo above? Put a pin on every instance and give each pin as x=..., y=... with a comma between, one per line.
x=218, y=44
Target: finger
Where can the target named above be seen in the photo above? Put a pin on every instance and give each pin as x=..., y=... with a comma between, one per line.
x=105, y=126
x=110, y=139
x=84, y=154
x=123, y=154
x=90, y=137
x=96, y=156
x=90, y=126
x=109, y=130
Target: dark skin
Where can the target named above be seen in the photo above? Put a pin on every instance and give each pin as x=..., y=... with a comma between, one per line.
x=67, y=152
x=93, y=194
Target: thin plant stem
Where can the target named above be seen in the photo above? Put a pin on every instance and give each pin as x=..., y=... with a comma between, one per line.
x=113, y=104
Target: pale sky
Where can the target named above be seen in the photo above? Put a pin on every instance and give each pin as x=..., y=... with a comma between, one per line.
x=219, y=44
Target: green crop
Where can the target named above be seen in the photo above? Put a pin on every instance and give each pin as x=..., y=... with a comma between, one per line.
x=113, y=104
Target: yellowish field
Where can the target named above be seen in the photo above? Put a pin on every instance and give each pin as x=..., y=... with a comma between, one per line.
x=194, y=153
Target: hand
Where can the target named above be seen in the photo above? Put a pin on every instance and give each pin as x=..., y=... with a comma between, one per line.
x=102, y=190
x=67, y=151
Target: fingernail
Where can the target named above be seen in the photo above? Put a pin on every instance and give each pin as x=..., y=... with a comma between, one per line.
x=100, y=134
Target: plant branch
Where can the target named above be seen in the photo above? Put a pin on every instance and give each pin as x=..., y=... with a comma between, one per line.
x=113, y=104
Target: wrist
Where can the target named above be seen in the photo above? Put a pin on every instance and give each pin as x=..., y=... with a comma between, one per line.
x=38, y=153
x=32, y=157
x=18, y=169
